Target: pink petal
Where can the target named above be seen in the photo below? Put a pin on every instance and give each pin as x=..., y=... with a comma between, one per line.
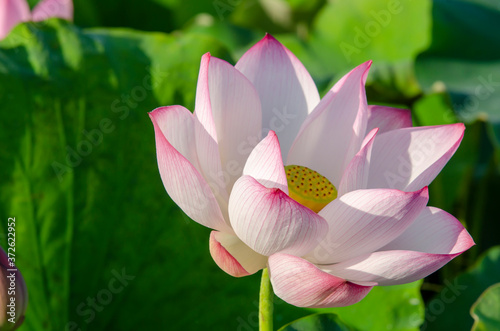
x=433, y=231
x=388, y=118
x=46, y=9
x=177, y=125
x=362, y=221
x=302, y=284
x=409, y=159
x=229, y=112
x=233, y=256
x=285, y=88
x=185, y=185
x=266, y=165
x=269, y=221
x=389, y=267
x=12, y=12
x=334, y=132
x=355, y=176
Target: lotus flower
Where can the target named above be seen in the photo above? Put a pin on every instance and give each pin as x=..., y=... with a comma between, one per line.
x=13, y=12
x=332, y=200
x=13, y=295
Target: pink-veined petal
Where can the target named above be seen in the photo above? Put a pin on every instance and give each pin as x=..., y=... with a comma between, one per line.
x=362, y=221
x=46, y=9
x=433, y=231
x=286, y=90
x=334, y=132
x=302, y=284
x=266, y=165
x=269, y=221
x=389, y=267
x=230, y=121
x=184, y=184
x=410, y=158
x=387, y=118
x=12, y=12
x=233, y=256
x=355, y=176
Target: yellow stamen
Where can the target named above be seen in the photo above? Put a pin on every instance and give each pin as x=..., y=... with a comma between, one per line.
x=309, y=188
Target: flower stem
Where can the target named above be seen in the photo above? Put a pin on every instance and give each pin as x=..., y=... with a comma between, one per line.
x=265, y=303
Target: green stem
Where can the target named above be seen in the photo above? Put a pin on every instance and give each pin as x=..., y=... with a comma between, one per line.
x=266, y=297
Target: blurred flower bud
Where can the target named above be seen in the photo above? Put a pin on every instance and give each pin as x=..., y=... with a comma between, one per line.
x=13, y=294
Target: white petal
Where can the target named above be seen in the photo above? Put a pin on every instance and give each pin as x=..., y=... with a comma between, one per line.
x=269, y=221
x=334, y=132
x=409, y=159
x=228, y=109
x=285, y=88
x=266, y=165
x=362, y=221
x=233, y=256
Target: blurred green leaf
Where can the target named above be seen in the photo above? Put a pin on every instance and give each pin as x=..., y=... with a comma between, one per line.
x=450, y=309
x=486, y=310
x=317, y=322
x=465, y=57
x=100, y=244
x=391, y=33
x=385, y=308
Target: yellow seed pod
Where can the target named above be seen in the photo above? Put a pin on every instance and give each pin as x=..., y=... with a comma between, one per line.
x=309, y=188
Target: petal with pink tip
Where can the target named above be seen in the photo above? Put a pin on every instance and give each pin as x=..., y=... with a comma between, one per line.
x=269, y=221
x=389, y=267
x=433, y=231
x=388, y=118
x=266, y=165
x=233, y=256
x=286, y=90
x=362, y=221
x=184, y=184
x=336, y=128
x=302, y=284
x=356, y=175
x=410, y=158
x=46, y=9
x=12, y=12
x=228, y=109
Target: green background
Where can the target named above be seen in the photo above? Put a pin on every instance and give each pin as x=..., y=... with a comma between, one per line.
x=78, y=163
